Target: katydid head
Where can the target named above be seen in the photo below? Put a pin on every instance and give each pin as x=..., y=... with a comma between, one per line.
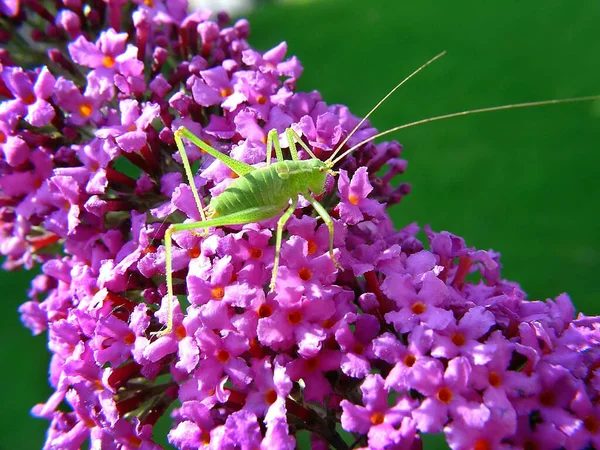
x=328, y=168
x=318, y=175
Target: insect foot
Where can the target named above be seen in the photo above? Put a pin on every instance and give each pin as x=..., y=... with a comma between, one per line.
x=160, y=333
x=336, y=263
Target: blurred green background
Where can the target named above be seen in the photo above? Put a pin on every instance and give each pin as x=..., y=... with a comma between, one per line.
x=522, y=182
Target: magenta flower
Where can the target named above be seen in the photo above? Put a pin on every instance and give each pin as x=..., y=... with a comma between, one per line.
x=130, y=135
x=447, y=395
x=325, y=133
x=272, y=62
x=462, y=339
x=30, y=92
x=409, y=338
x=13, y=148
x=312, y=371
x=109, y=55
x=357, y=346
x=113, y=341
x=354, y=202
x=381, y=421
x=417, y=308
x=195, y=431
x=83, y=108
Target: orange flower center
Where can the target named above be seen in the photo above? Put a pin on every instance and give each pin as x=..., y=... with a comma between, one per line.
x=353, y=199
x=2, y=138
x=226, y=92
x=312, y=247
x=217, y=292
x=418, y=308
x=180, y=332
x=89, y=422
x=328, y=323
x=223, y=356
x=270, y=396
x=261, y=99
x=547, y=398
x=205, y=438
x=108, y=61
x=494, y=379
x=591, y=424
x=530, y=445
x=149, y=249
x=256, y=253
x=295, y=317
x=459, y=339
x=134, y=441
x=129, y=338
x=305, y=274
x=194, y=252
x=29, y=99
x=85, y=109
x=264, y=310
x=377, y=418
x=410, y=360
x=482, y=444
x=311, y=364
x=358, y=349
x=444, y=395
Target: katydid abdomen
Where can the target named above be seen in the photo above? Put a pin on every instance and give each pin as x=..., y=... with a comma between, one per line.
x=269, y=186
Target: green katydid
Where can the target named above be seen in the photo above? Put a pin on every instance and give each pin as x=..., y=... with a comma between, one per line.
x=262, y=193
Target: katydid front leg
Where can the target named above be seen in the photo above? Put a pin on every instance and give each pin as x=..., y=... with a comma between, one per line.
x=273, y=141
x=292, y=138
x=280, y=224
x=322, y=212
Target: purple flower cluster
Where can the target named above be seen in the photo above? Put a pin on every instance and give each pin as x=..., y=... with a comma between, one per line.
x=403, y=341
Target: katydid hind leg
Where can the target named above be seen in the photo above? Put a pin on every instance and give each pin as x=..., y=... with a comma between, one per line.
x=322, y=212
x=239, y=167
x=280, y=224
x=242, y=217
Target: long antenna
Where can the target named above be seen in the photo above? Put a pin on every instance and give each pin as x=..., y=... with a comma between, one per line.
x=339, y=147
x=465, y=113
